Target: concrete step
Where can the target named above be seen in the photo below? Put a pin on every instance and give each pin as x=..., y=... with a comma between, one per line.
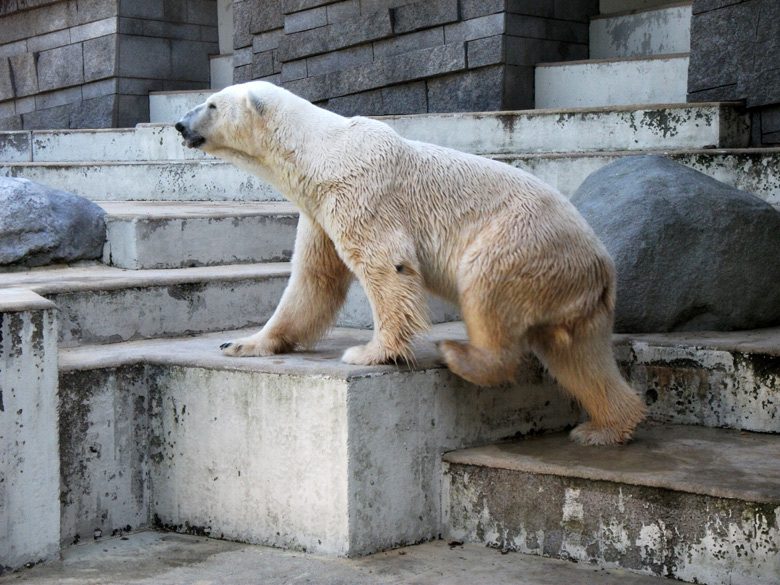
x=641, y=33
x=145, y=142
x=167, y=107
x=576, y=130
x=675, y=126
x=695, y=504
x=296, y=451
x=149, y=234
x=205, y=180
x=610, y=82
x=713, y=379
x=756, y=170
x=103, y=304
x=161, y=558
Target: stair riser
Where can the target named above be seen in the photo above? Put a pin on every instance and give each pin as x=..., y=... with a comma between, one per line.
x=180, y=243
x=152, y=311
x=110, y=316
x=693, y=538
x=168, y=108
x=707, y=387
x=755, y=171
x=586, y=131
x=588, y=85
x=182, y=181
x=656, y=32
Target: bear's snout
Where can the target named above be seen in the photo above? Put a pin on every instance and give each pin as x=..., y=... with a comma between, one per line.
x=192, y=139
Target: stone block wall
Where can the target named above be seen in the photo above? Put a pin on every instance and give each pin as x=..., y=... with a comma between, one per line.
x=380, y=57
x=735, y=55
x=92, y=63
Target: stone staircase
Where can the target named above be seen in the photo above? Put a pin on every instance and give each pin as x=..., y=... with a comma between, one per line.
x=116, y=365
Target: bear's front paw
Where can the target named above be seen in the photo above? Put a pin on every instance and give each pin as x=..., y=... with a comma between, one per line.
x=247, y=347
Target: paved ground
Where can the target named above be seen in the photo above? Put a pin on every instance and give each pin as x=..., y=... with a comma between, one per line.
x=152, y=558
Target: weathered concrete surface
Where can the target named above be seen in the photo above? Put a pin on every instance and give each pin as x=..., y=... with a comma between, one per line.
x=149, y=234
x=102, y=304
x=167, y=107
x=653, y=32
x=712, y=379
x=695, y=504
x=206, y=180
x=588, y=84
x=756, y=170
x=753, y=170
x=691, y=253
x=153, y=558
x=298, y=451
x=40, y=225
x=29, y=458
x=669, y=126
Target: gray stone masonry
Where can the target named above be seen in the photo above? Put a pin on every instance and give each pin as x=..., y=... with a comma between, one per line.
x=92, y=63
x=382, y=57
x=749, y=70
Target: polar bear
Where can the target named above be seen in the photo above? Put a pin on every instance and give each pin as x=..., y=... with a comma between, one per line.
x=405, y=217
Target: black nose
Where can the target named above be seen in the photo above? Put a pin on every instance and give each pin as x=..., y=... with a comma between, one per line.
x=179, y=126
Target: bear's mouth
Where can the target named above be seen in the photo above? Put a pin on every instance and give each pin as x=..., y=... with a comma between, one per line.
x=194, y=141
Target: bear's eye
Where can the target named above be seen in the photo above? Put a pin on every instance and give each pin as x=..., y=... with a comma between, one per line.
x=212, y=106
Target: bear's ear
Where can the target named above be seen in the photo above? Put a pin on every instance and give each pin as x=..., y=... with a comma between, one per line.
x=255, y=102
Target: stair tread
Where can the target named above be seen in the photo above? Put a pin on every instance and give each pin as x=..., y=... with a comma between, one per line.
x=715, y=462
x=202, y=351
x=97, y=276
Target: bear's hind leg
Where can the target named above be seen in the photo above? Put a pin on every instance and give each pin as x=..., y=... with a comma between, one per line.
x=494, y=350
x=583, y=363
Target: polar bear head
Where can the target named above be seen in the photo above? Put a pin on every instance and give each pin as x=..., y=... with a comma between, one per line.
x=234, y=119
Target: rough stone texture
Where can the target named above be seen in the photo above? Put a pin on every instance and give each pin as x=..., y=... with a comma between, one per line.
x=691, y=253
x=749, y=70
x=464, y=53
x=40, y=225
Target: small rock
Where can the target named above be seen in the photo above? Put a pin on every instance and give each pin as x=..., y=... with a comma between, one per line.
x=40, y=225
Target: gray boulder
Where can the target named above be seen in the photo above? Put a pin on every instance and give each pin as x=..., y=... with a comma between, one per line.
x=692, y=253
x=40, y=225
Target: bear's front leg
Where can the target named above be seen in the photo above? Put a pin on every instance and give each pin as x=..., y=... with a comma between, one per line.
x=317, y=288
x=396, y=292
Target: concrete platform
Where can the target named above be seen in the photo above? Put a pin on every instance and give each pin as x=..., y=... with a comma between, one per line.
x=150, y=234
x=612, y=82
x=152, y=558
x=696, y=504
x=297, y=451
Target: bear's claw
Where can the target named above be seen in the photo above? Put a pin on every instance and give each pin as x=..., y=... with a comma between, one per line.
x=226, y=345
